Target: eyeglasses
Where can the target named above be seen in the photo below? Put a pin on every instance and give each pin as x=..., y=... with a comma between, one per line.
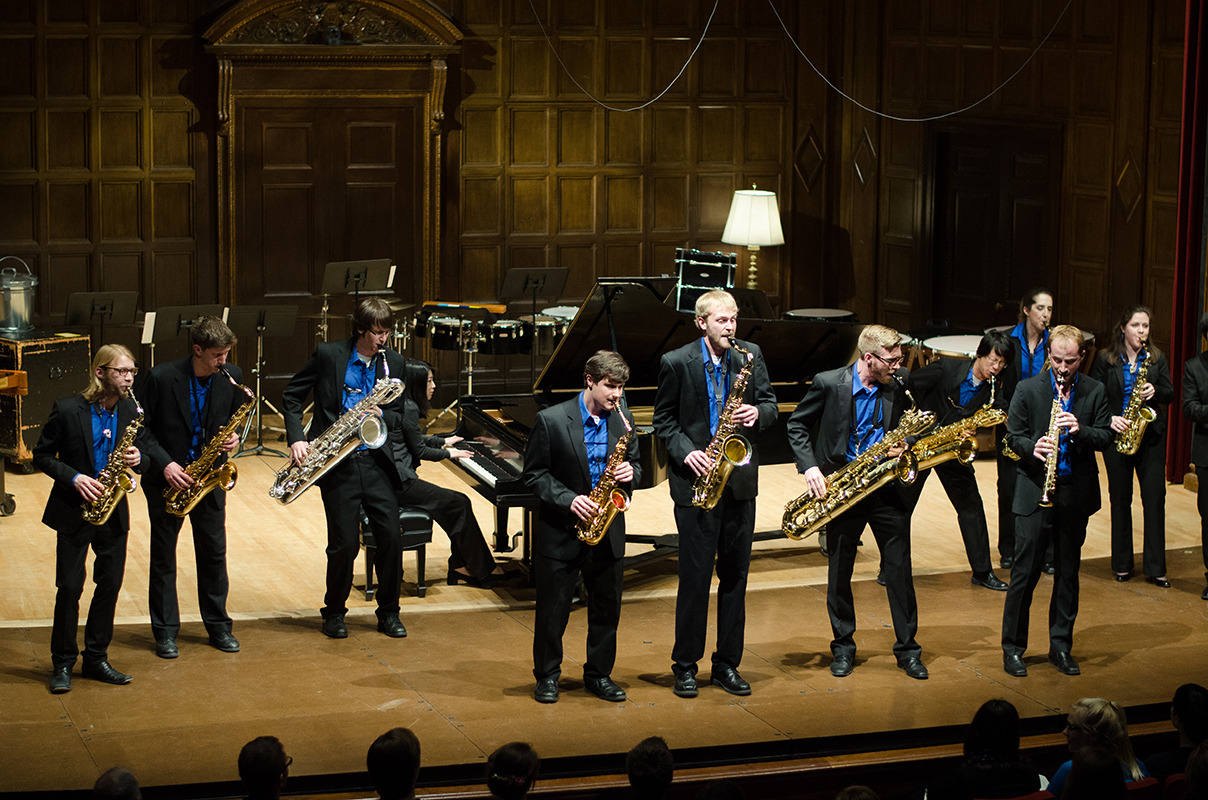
x=889, y=362
x=131, y=371
x=288, y=760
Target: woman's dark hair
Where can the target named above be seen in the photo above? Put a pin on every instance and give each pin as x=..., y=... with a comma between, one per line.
x=994, y=732
x=1113, y=351
x=1029, y=298
x=1094, y=775
x=512, y=770
x=416, y=378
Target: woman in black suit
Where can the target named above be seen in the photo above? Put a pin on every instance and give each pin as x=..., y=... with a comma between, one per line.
x=1116, y=368
x=470, y=559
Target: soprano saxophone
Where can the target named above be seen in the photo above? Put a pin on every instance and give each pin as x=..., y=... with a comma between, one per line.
x=728, y=448
x=1050, y=462
x=858, y=478
x=1136, y=412
x=610, y=498
x=116, y=480
x=206, y=479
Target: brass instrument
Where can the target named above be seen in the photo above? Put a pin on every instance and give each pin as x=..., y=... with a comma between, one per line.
x=858, y=478
x=610, y=499
x=117, y=482
x=1050, y=463
x=951, y=441
x=355, y=427
x=1138, y=415
x=728, y=448
x=180, y=502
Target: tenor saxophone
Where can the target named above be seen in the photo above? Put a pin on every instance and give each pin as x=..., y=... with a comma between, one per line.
x=1136, y=412
x=952, y=441
x=1050, y=462
x=206, y=479
x=610, y=498
x=117, y=482
x=858, y=478
x=728, y=448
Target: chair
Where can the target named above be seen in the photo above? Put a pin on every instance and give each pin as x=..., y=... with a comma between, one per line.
x=1144, y=789
x=415, y=532
x=1175, y=787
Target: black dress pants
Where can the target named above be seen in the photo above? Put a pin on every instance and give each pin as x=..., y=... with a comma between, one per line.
x=960, y=484
x=556, y=582
x=359, y=481
x=1201, y=503
x=1063, y=527
x=720, y=537
x=208, y=523
x=1149, y=464
x=1008, y=471
x=451, y=510
x=890, y=525
x=108, y=542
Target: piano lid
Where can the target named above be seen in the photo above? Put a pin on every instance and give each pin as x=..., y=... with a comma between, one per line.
x=645, y=328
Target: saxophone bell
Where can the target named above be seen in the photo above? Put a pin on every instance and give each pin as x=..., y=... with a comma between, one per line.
x=372, y=432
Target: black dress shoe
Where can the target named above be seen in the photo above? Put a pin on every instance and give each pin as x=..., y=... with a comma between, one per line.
x=102, y=671
x=392, y=627
x=224, y=641
x=456, y=577
x=990, y=581
x=1204, y=594
x=1161, y=583
x=729, y=679
x=1006, y=562
x=546, y=691
x=880, y=578
x=1065, y=663
x=166, y=647
x=60, y=680
x=334, y=628
x=1122, y=577
x=842, y=665
x=507, y=575
x=913, y=667
x=604, y=689
x=685, y=685
x=1013, y=665
x=1049, y=568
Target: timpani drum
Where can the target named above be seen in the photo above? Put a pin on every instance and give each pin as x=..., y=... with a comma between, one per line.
x=822, y=314
x=448, y=333
x=504, y=337
x=564, y=313
x=541, y=333
x=955, y=346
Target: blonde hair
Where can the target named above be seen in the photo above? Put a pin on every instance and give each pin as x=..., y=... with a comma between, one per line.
x=717, y=297
x=878, y=337
x=1070, y=333
x=1105, y=726
x=105, y=355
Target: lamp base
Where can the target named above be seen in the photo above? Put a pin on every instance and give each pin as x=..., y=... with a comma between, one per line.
x=752, y=269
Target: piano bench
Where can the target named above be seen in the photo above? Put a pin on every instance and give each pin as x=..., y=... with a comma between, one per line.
x=415, y=532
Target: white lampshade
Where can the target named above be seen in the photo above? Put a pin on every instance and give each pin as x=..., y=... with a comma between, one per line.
x=754, y=219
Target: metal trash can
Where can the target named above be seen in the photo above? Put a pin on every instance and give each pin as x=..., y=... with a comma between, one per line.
x=16, y=298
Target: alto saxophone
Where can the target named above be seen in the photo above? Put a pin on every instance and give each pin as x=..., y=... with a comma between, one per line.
x=1050, y=463
x=206, y=479
x=116, y=481
x=610, y=499
x=1136, y=412
x=728, y=448
x=858, y=478
x=355, y=427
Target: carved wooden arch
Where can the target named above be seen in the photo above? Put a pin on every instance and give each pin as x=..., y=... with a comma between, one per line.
x=290, y=48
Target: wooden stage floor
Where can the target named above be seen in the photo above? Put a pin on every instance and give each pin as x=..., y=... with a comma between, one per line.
x=462, y=679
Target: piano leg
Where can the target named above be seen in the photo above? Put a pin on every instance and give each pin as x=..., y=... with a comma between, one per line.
x=502, y=545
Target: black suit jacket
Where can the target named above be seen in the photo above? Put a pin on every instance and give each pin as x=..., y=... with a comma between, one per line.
x=1031, y=408
x=937, y=388
x=1112, y=378
x=556, y=470
x=681, y=416
x=65, y=450
x=411, y=446
x=1195, y=406
x=165, y=395
x=324, y=374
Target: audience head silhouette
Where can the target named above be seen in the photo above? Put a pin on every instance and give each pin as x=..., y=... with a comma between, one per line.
x=994, y=732
x=118, y=783
x=512, y=770
x=721, y=790
x=1100, y=723
x=393, y=763
x=1189, y=712
x=650, y=766
x=264, y=767
x=1094, y=775
x=857, y=793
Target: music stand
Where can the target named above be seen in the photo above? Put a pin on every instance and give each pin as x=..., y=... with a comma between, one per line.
x=374, y=276
x=85, y=308
x=171, y=324
x=544, y=282
x=261, y=321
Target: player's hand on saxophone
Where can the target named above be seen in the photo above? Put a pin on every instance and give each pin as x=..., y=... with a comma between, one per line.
x=698, y=461
x=747, y=415
x=583, y=507
x=176, y=476
x=815, y=482
x=298, y=451
x=1067, y=421
x=231, y=443
x=88, y=487
x=1119, y=424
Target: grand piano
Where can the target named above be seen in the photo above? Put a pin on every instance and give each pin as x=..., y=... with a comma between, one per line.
x=634, y=317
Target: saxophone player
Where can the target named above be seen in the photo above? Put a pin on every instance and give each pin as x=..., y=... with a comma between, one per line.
x=1120, y=367
x=693, y=391
x=567, y=454
x=76, y=444
x=1075, y=406
x=954, y=389
x=845, y=412
x=187, y=402
x=341, y=374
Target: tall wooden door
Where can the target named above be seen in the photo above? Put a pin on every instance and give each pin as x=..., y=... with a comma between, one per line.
x=996, y=222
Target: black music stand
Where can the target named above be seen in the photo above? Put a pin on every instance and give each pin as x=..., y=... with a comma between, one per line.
x=171, y=324
x=544, y=282
x=373, y=276
x=467, y=345
x=86, y=308
x=261, y=321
